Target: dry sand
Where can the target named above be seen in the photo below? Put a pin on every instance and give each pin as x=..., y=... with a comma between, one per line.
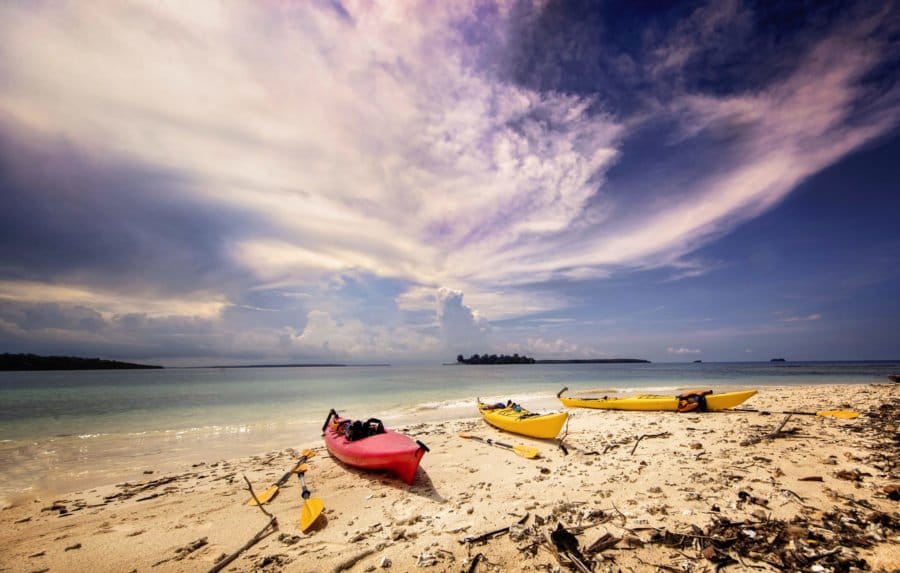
x=656, y=500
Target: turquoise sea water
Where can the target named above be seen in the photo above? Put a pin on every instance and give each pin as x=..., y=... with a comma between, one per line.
x=65, y=430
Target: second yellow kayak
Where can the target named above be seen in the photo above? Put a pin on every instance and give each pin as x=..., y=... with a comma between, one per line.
x=647, y=402
x=514, y=418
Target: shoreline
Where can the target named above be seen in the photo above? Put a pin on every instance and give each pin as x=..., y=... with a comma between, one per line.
x=638, y=477
x=64, y=463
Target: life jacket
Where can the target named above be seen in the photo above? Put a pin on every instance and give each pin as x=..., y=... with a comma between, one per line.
x=357, y=430
x=693, y=401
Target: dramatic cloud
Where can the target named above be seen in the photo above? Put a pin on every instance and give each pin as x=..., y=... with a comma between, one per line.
x=463, y=330
x=285, y=181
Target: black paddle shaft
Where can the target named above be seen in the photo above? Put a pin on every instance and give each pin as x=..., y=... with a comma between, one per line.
x=328, y=419
x=769, y=412
x=500, y=444
x=305, y=494
x=287, y=474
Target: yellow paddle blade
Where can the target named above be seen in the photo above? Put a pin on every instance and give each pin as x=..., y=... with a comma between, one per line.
x=267, y=495
x=845, y=414
x=527, y=451
x=312, y=508
x=302, y=468
x=264, y=496
x=465, y=435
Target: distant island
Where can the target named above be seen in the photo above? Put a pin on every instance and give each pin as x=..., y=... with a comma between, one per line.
x=516, y=359
x=777, y=360
x=311, y=365
x=36, y=362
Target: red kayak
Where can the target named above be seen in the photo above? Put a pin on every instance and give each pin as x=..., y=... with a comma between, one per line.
x=369, y=445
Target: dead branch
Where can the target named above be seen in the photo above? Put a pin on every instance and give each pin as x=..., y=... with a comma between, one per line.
x=642, y=436
x=352, y=560
x=770, y=436
x=269, y=528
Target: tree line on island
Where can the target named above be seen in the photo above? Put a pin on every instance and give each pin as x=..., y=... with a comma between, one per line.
x=495, y=359
x=517, y=359
x=36, y=362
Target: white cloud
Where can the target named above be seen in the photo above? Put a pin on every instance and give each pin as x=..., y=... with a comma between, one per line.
x=807, y=318
x=558, y=347
x=682, y=350
x=325, y=335
x=461, y=327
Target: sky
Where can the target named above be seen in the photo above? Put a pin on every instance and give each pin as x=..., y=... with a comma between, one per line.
x=385, y=181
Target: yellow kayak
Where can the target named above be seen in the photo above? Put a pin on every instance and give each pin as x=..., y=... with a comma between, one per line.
x=514, y=418
x=648, y=402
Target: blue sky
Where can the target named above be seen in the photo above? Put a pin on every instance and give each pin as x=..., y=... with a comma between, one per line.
x=403, y=182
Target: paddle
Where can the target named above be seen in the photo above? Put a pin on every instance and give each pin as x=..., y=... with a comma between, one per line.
x=845, y=414
x=312, y=506
x=272, y=490
x=524, y=451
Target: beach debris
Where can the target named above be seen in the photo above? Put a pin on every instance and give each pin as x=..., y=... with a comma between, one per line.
x=385, y=562
x=352, y=560
x=289, y=539
x=851, y=475
x=567, y=545
x=183, y=552
x=473, y=564
x=270, y=527
x=647, y=436
x=277, y=560
x=494, y=533
x=73, y=547
x=130, y=490
x=426, y=559
x=798, y=544
x=778, y=433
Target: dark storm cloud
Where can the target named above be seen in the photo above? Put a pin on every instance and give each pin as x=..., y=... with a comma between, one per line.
x=68, y=214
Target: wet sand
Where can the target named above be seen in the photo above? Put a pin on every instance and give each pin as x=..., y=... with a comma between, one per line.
x=649, y=490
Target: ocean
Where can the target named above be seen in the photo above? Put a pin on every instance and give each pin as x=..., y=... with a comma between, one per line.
x=67, y=430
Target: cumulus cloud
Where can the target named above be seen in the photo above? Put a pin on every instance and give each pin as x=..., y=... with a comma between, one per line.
x=682, y=350
x=461, y=327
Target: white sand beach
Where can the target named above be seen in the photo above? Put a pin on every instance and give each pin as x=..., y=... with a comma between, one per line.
x=640, y=491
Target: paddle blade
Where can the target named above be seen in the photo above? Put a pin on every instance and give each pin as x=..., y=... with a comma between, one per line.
x=264, y=496
x=312, y=508
x=527, y=451
x=465, y=435
x=845, y=414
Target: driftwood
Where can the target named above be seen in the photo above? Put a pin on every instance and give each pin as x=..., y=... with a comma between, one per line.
x=642, y=436
x=494, y=533
x=351, y=561
x=770, y=436
x=269, y=528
